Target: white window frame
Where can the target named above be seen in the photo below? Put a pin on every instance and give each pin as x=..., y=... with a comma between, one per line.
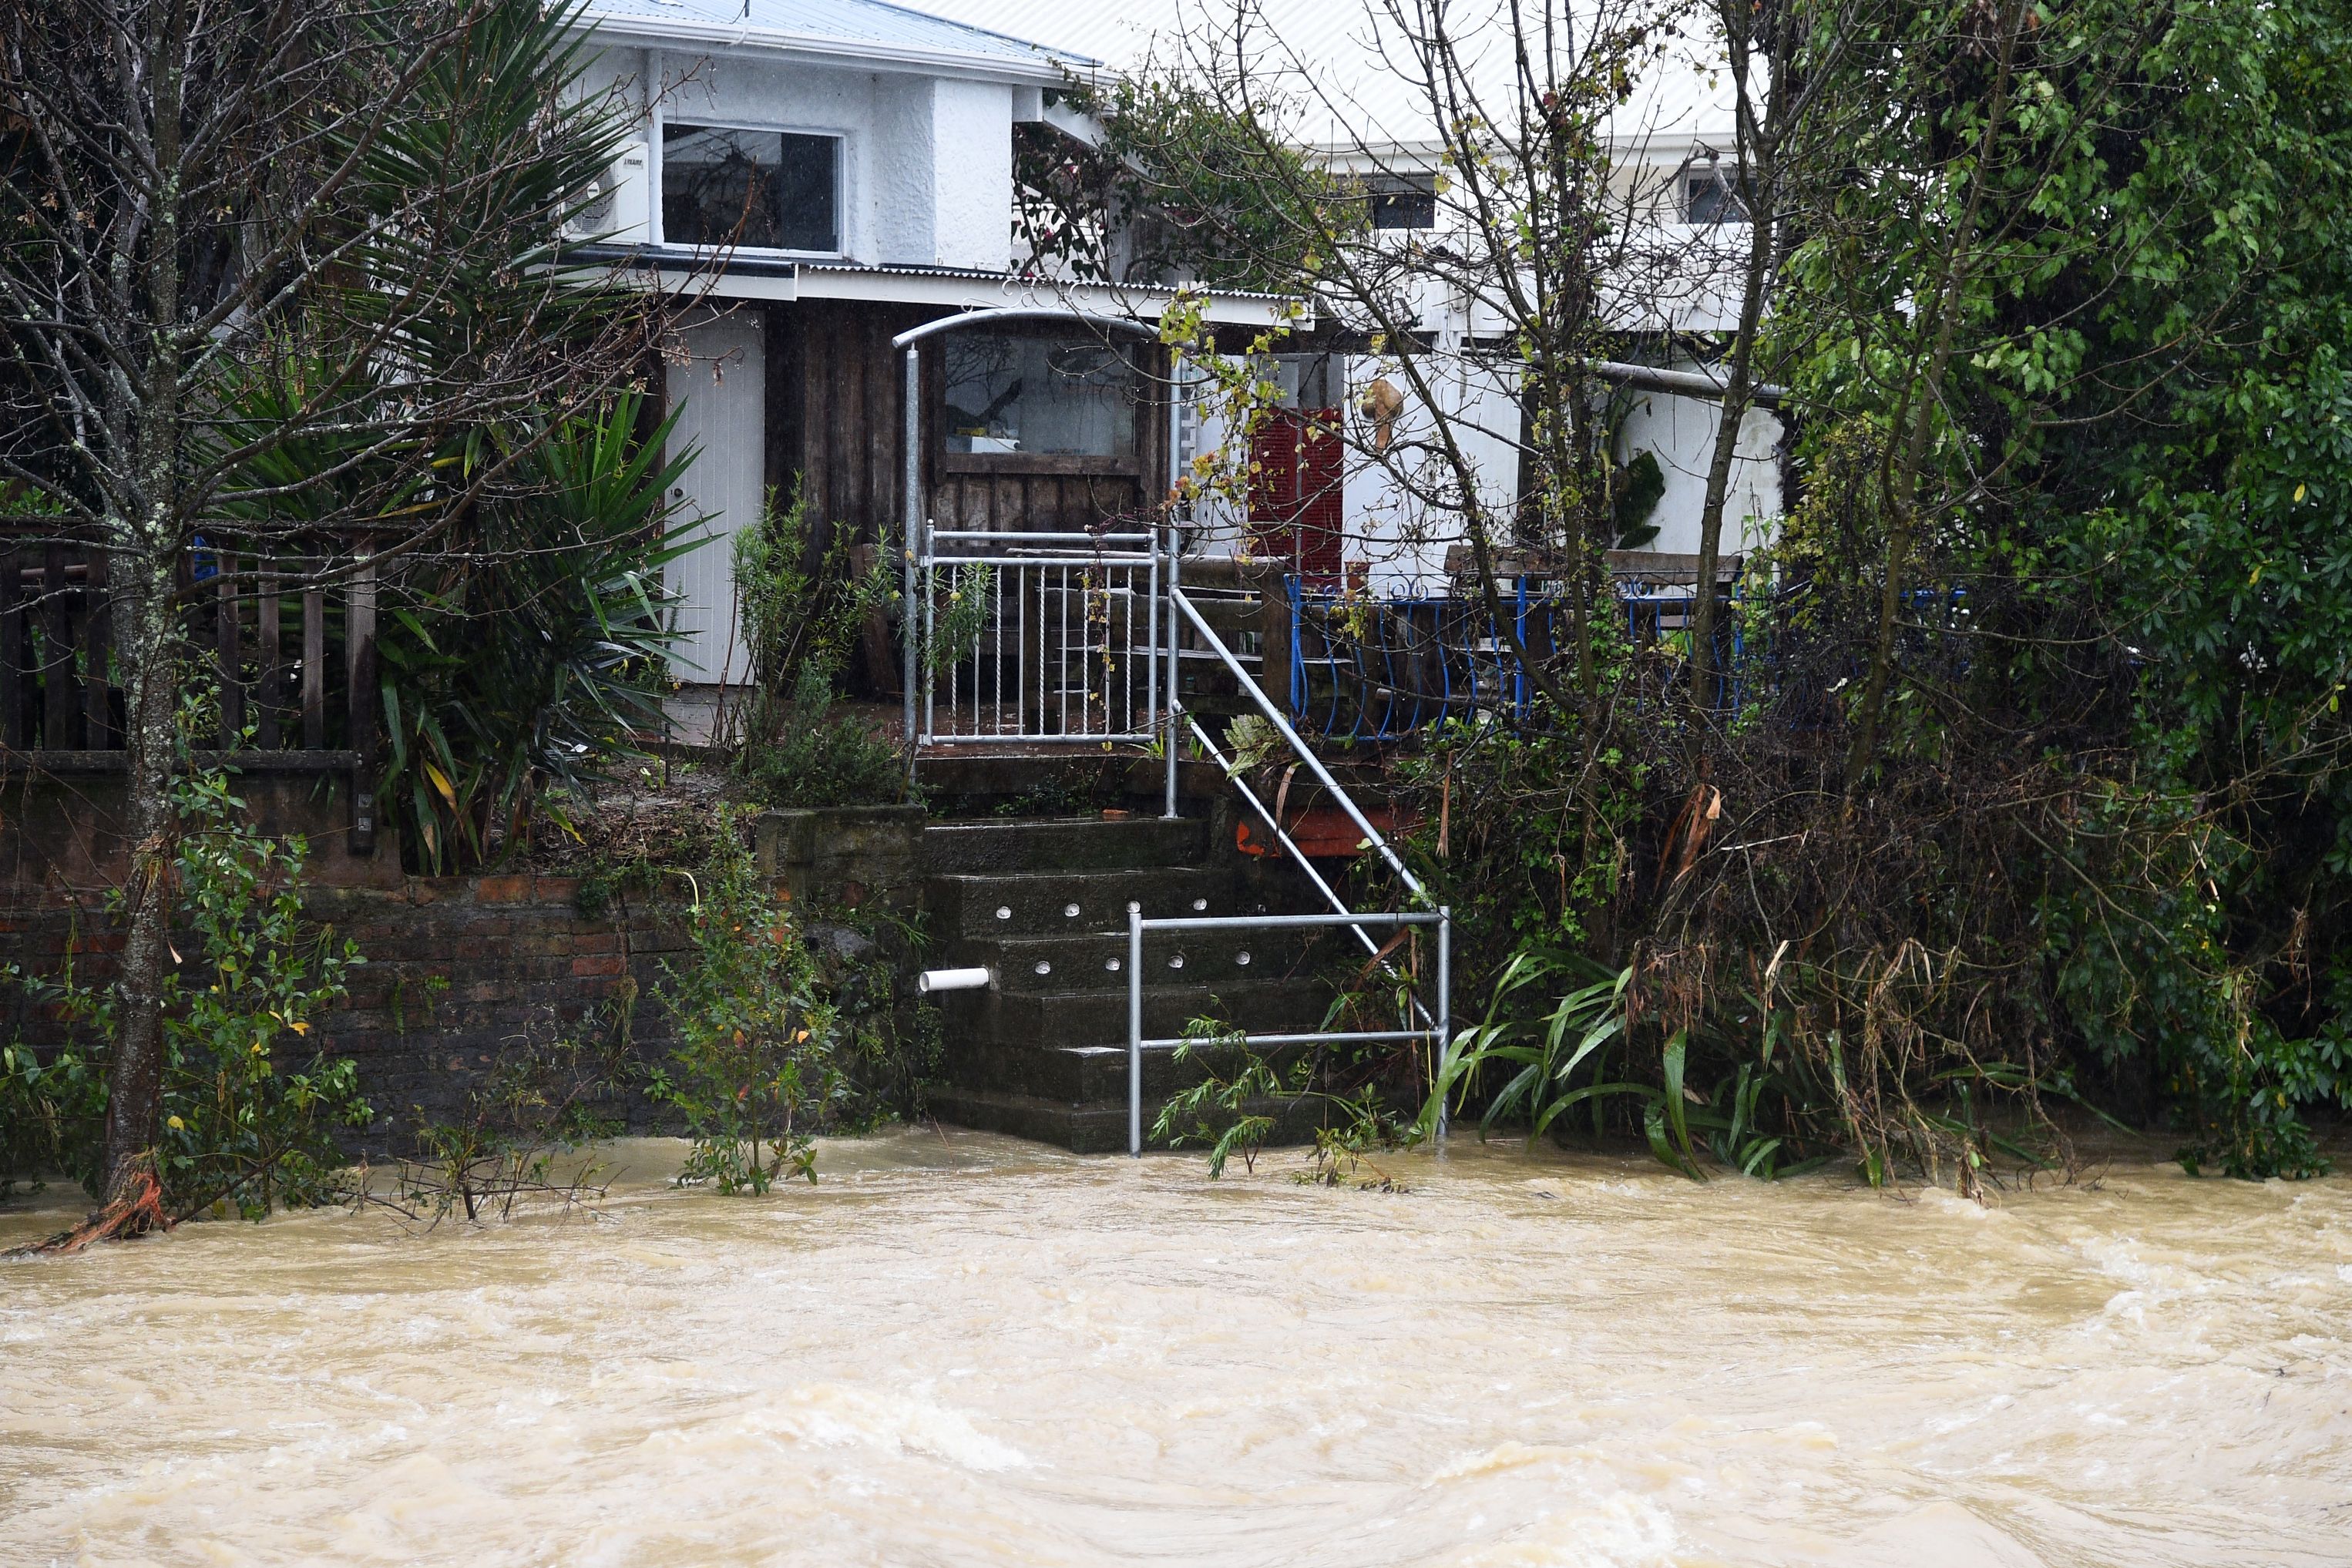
x=1725, y=173
x=843, y=142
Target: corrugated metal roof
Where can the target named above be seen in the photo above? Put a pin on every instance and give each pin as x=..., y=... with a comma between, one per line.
x=1347, y=64
x=893, y=29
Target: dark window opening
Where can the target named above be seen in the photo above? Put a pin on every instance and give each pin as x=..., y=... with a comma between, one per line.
x=1708, y=198
x=1054, y=398
x=770, y=190
x=1402, y=203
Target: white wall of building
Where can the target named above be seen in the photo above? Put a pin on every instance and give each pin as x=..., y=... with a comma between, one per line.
x=1681, y=431
x=720, y=395
x=927, y=160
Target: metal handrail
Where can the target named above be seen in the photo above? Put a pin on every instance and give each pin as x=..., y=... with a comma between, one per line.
x=1131, y=579
x=1440, y=1026
x=1299, y=748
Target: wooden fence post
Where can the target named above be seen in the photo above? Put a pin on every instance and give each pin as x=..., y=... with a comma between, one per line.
x=359, y=623
x=58, y=694
x=314, y=667
x=228, y=654
x=96, y=622
x=265, y=691
x=11, y=650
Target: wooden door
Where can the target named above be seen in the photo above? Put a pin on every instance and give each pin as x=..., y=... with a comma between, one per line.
x=1295, y=477
x=720, y=396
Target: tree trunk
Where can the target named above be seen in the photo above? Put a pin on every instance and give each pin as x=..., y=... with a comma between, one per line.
x=1899, y=481
x=1757, y=154
x=1736, y=390
x=143, y=626
x=144, y=542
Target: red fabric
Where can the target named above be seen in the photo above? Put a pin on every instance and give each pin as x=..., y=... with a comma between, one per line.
x=1295, y=490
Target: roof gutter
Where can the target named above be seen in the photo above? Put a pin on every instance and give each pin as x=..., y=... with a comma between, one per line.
x=1045, y=71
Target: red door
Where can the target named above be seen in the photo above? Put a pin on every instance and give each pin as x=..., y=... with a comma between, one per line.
x=1294, y=488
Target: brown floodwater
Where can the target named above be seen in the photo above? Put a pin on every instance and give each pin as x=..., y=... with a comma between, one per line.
x=963, y=1350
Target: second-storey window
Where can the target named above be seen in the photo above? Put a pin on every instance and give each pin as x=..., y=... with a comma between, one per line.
x=1708, y=196
x=765, y=190
x=1402, y=201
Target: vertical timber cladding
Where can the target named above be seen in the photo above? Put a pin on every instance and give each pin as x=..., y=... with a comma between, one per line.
x=837, y=423
x=1041, y=493
x=835, y=430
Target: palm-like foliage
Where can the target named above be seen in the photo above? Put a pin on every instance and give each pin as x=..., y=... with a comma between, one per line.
x=539, y=658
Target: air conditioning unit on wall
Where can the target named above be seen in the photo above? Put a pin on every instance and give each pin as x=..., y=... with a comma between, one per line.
x=624, y=195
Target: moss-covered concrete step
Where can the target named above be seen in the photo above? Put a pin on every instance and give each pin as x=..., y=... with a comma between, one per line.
x=1064, y=844
x=1095, y=1128
x=1066, y=902
x=1100, y=1017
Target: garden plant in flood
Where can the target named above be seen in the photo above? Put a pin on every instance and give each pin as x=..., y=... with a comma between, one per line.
x=2014, y=776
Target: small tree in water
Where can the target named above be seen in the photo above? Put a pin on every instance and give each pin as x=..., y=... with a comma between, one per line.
x=754, y=1070
x=243, y=1126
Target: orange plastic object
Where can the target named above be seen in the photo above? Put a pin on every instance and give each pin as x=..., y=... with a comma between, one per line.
x=1322, y=832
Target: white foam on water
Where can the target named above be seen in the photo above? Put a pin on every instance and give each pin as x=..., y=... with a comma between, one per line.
x=1616, y=1530
x=835, y=1416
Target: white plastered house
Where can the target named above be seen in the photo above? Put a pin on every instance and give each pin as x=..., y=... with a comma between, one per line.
x=809, y=178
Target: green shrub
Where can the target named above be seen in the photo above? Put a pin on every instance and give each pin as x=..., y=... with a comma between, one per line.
x=819, y=760
x=754, y=1071
x=242, y=1127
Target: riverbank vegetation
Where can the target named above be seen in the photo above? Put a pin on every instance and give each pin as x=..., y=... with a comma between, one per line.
x=2012, y=774
x=773, y=1026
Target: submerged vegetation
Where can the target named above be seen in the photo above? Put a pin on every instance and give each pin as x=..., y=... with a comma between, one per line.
x=2013, y=784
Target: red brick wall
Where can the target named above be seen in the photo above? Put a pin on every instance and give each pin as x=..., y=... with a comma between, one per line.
x=512, y=955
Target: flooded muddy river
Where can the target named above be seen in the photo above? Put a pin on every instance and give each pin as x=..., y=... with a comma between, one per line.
x=962, y=1350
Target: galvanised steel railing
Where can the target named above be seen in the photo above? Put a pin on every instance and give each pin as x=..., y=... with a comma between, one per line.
x=1024, y=637
x=1432, y=1026
x=1138, y=927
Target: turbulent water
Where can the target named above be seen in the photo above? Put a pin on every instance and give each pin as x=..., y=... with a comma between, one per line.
x=962, y=1350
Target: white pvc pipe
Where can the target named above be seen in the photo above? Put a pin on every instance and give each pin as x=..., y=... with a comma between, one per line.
x=952, y=980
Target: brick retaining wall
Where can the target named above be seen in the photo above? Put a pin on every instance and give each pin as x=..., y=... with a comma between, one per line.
x=458, y=969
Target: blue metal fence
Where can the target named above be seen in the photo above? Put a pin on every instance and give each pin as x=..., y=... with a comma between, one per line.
x=1371, y=668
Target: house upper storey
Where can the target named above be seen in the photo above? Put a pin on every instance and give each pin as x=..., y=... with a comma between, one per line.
x=836, y=148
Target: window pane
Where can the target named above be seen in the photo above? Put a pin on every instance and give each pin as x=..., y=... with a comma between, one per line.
x=1403, y=203
x=1710, y=200
x=763, y=189
x=1029, y=395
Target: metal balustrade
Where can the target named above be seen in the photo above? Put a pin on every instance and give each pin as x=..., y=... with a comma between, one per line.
x=1024, y=637
x=1433, y=1026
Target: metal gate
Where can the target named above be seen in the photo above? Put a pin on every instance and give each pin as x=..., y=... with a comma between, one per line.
x=1021, y=637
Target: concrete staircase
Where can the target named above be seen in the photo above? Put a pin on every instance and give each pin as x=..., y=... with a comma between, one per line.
x=1042, y=1052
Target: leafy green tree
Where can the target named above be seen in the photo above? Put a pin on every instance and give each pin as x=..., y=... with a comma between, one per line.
x=286, y=278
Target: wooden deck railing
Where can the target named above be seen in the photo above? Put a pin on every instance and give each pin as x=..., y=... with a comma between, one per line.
x=294, y=659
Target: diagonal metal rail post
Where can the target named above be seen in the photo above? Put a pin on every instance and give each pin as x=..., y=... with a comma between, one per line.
x=1313, y=764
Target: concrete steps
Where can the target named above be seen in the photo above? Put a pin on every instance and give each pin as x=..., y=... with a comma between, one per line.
x=1043, y=904
x=1064, y=844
